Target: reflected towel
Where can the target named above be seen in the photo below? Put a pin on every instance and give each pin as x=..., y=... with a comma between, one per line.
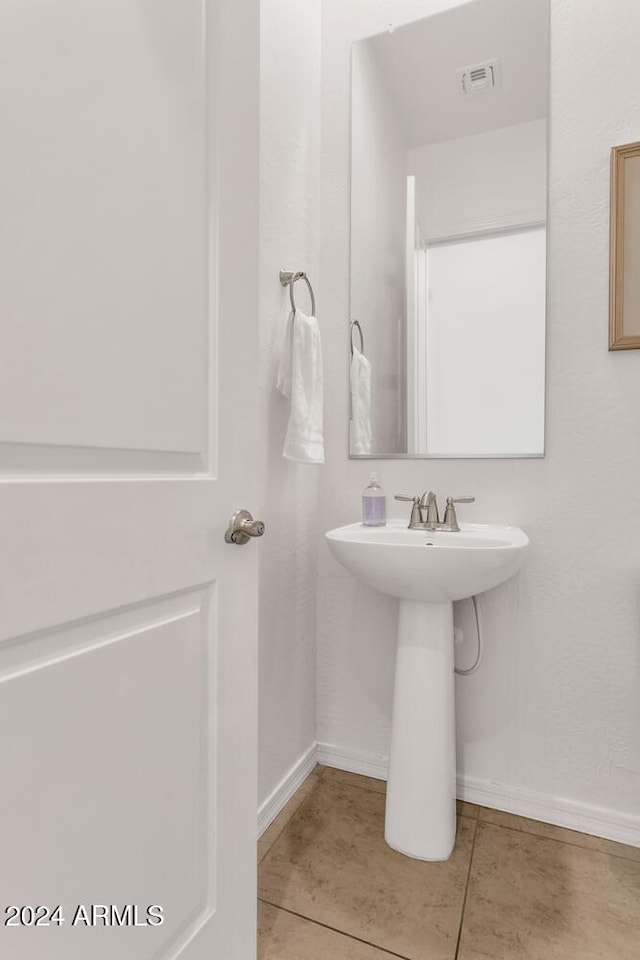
x=300, y=379
x=360, y=378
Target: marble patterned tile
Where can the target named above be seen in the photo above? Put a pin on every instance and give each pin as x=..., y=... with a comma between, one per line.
x=533, y=898
x=275, y=828
x=283, y=936
x=331, y=864
x=559, y=833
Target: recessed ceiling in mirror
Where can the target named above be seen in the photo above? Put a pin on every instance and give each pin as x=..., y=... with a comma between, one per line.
x=448, y=233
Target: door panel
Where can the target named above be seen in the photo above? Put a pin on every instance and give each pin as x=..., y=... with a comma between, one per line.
x=128, y=289
x=104, y=199
x=111, y=712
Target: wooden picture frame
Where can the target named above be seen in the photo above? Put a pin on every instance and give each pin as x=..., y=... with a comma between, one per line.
x=624, y=263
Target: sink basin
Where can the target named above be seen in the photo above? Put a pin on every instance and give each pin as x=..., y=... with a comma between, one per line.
x=426, y=572
x=424, y=566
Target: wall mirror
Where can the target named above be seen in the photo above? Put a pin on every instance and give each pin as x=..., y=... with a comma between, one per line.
x=448, y=234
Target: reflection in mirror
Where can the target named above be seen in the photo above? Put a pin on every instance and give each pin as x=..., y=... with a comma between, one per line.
x=448, y=233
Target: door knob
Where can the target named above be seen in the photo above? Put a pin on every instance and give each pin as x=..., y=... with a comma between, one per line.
x=242, y=527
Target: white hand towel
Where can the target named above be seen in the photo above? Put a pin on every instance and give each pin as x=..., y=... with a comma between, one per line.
x=300, y=379
x=360, y=376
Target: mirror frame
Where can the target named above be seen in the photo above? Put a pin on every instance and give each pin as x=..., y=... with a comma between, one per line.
x=621, y=221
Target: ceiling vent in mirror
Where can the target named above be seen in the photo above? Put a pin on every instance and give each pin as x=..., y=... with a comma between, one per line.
x=480, y=77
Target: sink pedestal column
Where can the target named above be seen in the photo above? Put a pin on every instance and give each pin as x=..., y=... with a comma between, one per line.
x=421, y=792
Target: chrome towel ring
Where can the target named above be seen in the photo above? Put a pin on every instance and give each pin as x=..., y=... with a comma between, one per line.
x=288, y=278
x=356, y=323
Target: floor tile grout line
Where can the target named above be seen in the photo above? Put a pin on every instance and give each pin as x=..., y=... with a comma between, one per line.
x=567, y=843
x=466, y=889
x=326, y=926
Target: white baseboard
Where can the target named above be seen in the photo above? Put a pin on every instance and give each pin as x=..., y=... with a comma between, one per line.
x=597, y=821
x=292, y=781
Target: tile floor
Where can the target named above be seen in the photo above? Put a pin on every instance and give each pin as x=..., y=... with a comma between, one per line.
x=329, y=888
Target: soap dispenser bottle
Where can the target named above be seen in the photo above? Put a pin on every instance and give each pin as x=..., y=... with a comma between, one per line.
x=374, y=504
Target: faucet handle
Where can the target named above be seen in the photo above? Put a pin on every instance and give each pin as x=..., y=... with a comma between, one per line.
x=450, y=522
x=416, y=513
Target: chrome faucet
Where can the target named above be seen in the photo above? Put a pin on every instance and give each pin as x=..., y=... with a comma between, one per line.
x=425, y=515
x=429, y=503
x=424, y=512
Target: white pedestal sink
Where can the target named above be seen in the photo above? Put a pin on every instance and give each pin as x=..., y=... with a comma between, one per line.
x=427, y=572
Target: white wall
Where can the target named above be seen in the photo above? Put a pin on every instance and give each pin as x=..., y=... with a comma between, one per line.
x=290, y=104
x=378, y=217
x=490, y=181
x=554, y=711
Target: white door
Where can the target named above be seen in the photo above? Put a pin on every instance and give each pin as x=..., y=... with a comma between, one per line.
x=128, y=304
